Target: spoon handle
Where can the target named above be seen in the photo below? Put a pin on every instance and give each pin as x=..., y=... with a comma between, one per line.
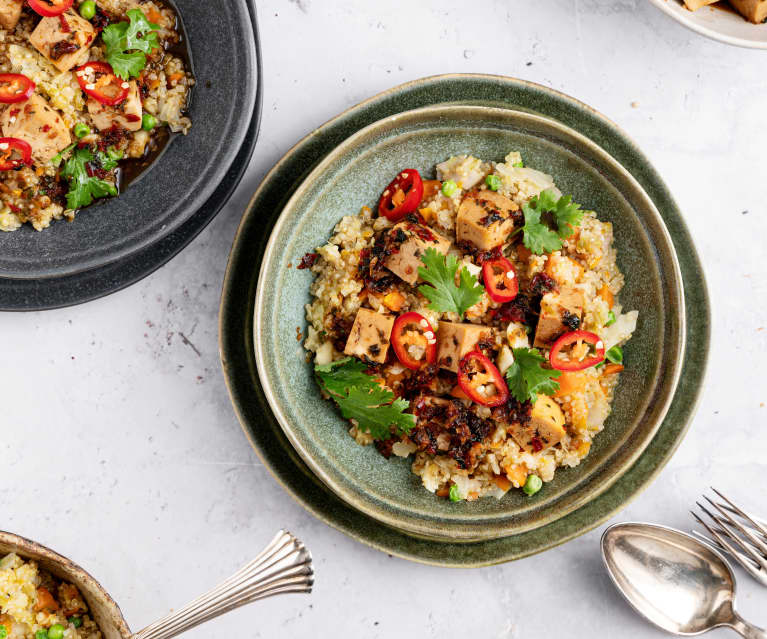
x=747, y=630
x=284, y=566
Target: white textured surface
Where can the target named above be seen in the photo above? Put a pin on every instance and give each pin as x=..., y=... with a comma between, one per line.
x=119, y=447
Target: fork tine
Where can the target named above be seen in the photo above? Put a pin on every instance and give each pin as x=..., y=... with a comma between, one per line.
x=761, y=528
x=746, y=562
x=723, y=543
x=758, y=543
x=723, y=525
x=757, y=520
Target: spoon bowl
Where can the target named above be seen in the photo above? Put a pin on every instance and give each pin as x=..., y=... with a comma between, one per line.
x=675, y=581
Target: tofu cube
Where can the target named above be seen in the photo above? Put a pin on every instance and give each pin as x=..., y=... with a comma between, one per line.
x=456, y=340
x=485, y=219
x=546, y=427
x=126, y=115
x=66, y=47
x=753, y=10
x=38, y=124
x=556, y=307
x=410, y=241
x=694, y=5
x=369, y=338
x=10, y=12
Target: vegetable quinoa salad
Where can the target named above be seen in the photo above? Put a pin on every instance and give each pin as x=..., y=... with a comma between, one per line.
x=36, y=605
x=473, y=322
x=89, y=94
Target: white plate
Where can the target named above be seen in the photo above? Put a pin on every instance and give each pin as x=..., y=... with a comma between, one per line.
x=719, y=24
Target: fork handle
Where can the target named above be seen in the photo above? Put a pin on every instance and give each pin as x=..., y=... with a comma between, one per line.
x=746, y=629
x=284, y=566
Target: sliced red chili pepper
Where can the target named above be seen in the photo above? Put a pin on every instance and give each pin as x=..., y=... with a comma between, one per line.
x=414, y=341
x=15, y=87
x=582, y=349
x=14, y=154
x=479, y=378
x=50, y=8
x=402, y=196
x=501, y=280
x=98, y=80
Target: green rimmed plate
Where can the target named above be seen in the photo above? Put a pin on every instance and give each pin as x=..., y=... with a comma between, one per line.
x=352, y=175
x=238, y=300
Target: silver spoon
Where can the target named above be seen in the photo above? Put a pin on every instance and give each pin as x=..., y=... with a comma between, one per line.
x=673, y=580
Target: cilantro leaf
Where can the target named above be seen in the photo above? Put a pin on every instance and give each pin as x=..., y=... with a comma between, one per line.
x=361, y=398
x=83, y=189
x=339, y=376
x=526, y=377
x=129, y=43
x=110, y=159
x=442, y=291
x=538, y=237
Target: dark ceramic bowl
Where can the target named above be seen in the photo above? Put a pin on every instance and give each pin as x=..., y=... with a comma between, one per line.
x=222, y=48
x=351, y=176
x=103, y=609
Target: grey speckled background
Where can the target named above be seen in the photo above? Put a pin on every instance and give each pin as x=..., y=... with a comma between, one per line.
x=120, y=448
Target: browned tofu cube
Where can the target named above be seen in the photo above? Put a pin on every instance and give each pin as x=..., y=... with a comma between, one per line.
x=456, y=340
x=10, y=12
x=753, y=10
x=694, y=5
x=369, y=339
x=485, y=219
x=38, y=124
x=546, y=427
x=558, y=311
x=126, y=115
x=65, y=46
x=408, y=241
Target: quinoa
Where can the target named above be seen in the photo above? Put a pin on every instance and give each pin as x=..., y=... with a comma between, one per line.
x=489, y=458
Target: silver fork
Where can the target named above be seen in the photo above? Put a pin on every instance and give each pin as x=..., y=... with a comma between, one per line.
x=284, y=566
x=741, y=535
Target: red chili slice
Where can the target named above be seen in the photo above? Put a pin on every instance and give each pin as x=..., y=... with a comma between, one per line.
x=412, y=334
x=587, y=350
x=402, y=196
x=98, y=80
x=475, y=373
x=501, y=280
x=14, y=154
x=50, y=8
x=15, y=87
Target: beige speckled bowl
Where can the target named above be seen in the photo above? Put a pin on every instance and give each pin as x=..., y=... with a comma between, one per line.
x=103, y=608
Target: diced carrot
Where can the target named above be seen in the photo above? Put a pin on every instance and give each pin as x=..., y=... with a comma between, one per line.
x=430, y=188
x=606, y=294
x=154, y=15
x=502, y=482
x=611, y=369
x=175, y=77
x=517, y=474
x=394, y=301
x=45, y=601
x=427, y=214
x=571, y=383
x=458, y=393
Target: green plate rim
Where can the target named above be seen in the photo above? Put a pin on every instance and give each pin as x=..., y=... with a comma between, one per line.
x=238, y=297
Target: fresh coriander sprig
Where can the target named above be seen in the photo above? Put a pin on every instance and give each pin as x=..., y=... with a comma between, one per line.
x=441, y=291
x=526, y=377
x=362, y=399
x=538, y=237
x=83, y=188
x=129, y=43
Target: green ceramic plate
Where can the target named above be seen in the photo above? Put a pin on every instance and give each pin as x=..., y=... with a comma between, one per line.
x=239, y=294
x=354, y=174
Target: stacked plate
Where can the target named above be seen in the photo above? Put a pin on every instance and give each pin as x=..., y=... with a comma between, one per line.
x=118, y=242
x=304, y=442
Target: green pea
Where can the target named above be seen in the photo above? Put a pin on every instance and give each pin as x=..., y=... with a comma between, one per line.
x=519, y=165
x=88, y=9
x=449, y=187
x=75, y=621
x=3, y=632
x=81, y=130
x=41, y=634
x=615, y=355
x=532, y=485
x=56, y=631
x=454, y=496
x=493, y=182
x=148, y=122
x=610, y=319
